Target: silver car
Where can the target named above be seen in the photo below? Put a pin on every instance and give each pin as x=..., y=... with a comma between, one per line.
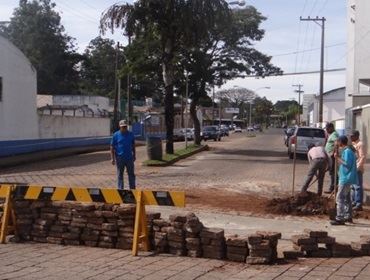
x=303, y=137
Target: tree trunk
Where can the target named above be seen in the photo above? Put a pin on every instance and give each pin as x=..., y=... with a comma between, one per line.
x=168, y=74
x=193, y=113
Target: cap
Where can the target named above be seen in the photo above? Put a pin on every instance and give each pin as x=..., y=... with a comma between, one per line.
x=122, y=123
x=355, y=133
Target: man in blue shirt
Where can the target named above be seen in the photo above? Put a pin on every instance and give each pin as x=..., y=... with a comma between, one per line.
x=123, y=154
x=347, y=177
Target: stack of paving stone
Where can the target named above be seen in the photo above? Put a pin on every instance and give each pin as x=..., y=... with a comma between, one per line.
x=176, y=235
x=362, y=247
x=263, y=247
x=213, y=243
x=24, y=219
x=150, y=217
x=125, y=223
x=160, y=227
x=316, y=244
x=192, y=228
x=237, y=248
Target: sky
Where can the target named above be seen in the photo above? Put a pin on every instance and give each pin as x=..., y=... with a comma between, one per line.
x=293, y=44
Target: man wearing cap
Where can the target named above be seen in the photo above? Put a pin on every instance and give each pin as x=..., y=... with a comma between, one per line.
x=319, y=162
x=358, y=191
x=330, y=149
x=347, y=177
x=123, y=154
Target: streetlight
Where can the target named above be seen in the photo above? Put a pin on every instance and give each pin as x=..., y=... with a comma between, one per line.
x=239, y=3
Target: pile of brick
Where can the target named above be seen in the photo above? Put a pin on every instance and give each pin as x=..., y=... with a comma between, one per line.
x=192, y=228
x=237, y=248
x=213, y=243
x=362, y=247
x=263, y=247
x=176, y=235
x=313, y=243
x=89, y=224
x=159, y=236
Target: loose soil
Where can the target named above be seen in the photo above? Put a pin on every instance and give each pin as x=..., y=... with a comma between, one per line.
x=309, y=204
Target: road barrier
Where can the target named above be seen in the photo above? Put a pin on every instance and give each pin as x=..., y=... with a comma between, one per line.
x=104, y=195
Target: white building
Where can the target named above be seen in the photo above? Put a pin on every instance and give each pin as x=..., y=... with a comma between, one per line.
x=18, y=87
x=333, y=108
x=358, y=71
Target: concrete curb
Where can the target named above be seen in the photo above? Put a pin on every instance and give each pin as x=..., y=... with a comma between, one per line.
x=201, y=149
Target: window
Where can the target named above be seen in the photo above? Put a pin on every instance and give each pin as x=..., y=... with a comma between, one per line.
x=311, y=132
x=1, y=89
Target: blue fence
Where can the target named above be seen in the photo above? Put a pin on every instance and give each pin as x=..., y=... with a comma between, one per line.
x=16, y=147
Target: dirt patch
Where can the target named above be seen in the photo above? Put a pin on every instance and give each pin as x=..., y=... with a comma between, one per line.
x=301, y=205
x=309, y=204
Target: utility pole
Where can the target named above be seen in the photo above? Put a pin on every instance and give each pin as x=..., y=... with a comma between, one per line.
x=299, y=91
x=115, y=109
x=213, y=106
x=317, y=20
x=129, y=95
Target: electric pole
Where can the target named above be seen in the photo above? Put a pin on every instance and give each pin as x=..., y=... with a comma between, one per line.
x=116, y=101
x=317, y=20
x=129, y=93
x=299, y=91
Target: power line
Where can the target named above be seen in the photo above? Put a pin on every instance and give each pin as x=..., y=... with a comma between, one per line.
x=308, y=50
x=298, y=73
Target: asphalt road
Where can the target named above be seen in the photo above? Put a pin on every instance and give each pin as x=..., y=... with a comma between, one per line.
x=237, y=163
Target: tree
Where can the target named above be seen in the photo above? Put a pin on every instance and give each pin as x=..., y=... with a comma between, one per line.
x=98, y=67
x=263, y=108
x=225, y=53
x=177, y=23
x=287, y=108
x=36, y=30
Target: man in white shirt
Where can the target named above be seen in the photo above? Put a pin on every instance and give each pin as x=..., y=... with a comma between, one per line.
x=319, y=163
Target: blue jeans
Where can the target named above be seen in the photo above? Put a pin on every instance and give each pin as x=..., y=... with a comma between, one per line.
x=344, y=203
x=358, y=190
x=129, y=164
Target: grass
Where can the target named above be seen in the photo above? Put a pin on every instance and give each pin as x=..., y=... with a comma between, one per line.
x=169, y=158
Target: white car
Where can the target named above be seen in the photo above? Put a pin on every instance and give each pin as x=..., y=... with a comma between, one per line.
x=250, y=128
x=237, y=129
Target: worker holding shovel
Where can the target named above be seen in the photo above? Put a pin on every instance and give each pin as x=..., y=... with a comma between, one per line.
x=347, y=177
x=319, y=162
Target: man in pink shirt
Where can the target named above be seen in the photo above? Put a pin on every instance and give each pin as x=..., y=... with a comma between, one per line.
x=319, y=163
x=357, y=190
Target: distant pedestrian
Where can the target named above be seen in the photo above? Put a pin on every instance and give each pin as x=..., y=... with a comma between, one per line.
x=319, y=163
x=330, y=149
x=347, y=177
x=123, y=154
x=357, y=189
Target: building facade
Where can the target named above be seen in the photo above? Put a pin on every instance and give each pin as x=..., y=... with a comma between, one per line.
x=18, y=88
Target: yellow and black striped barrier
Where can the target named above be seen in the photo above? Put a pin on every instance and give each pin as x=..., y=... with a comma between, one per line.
x=105, y=195
x=115, y=196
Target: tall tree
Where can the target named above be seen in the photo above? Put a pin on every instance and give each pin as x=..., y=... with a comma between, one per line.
x=178, y=23
x=36, y=30
x=98, y=67
x=226, y=53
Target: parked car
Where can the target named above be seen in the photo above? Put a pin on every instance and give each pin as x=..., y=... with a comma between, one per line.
x=250, y=128
x=257, y=127
x=178, y=135
x=238, y=129
x=211, y=132
x=189, y=133
x=287, y=133
x=303, y=137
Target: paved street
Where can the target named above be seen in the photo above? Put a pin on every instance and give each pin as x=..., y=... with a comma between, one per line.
x=257, y=165
x=237, y=163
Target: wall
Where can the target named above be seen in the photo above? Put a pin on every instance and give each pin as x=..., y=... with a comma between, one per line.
x=66, y=127
x=18, y=116
x=358, y=54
